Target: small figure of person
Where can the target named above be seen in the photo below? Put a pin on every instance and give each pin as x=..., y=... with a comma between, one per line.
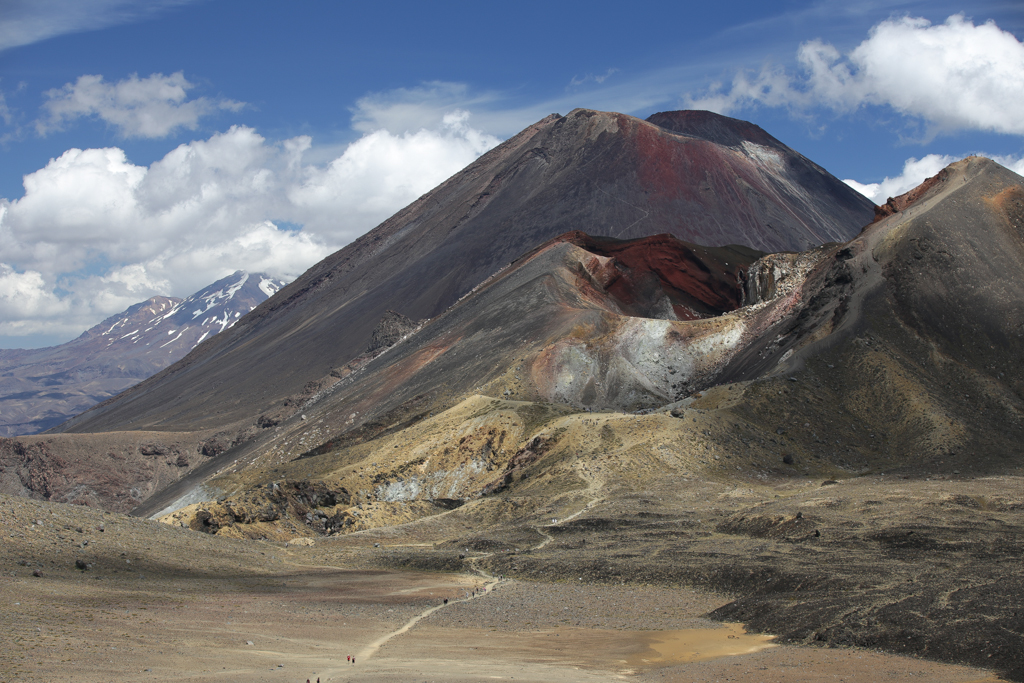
x=446, y=601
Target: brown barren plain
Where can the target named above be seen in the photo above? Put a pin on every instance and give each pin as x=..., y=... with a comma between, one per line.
x=163, y=603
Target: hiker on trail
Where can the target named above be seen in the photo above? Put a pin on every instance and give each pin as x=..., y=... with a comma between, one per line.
x=349, y=658
x=446, y=601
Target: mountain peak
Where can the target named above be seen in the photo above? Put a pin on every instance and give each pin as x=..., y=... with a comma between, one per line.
x=721, y=130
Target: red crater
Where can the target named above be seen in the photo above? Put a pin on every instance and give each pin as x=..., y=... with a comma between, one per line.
x=645, y=274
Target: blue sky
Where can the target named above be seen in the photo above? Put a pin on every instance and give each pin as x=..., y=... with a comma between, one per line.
x=153, y=147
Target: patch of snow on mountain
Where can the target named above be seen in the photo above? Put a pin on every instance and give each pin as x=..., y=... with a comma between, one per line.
x=174, y=309
x=269, y=286
x=175, y=339
x=237, y=286
x=224, y=322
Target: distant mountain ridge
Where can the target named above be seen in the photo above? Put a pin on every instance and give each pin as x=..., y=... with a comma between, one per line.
x=40, y=388
x=193, y=319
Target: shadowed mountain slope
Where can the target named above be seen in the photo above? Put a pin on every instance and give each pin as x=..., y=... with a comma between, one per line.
x=602, y=173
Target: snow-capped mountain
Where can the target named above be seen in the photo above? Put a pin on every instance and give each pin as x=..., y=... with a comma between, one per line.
x=179, y=323
x=40, y=388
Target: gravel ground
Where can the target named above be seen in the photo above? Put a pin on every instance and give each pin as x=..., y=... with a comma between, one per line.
x=157, y=603
x=518, y=605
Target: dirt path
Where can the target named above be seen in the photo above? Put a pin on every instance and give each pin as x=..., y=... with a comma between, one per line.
x=490, y=581
x=593, y=486
x=371, y=649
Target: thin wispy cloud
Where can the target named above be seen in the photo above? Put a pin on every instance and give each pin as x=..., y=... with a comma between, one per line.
x=592, y=78
x=406, y=110
x=151, y=107
x=23, y=22
x=5, y=111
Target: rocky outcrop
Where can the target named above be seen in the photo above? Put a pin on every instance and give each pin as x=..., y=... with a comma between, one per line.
x=894, y=205
x=300, y=502
x=112, y=471
x=524, y=457
x=391, y=328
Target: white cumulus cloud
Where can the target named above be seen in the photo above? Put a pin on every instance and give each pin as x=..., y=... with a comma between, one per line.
x=27, y=304
x=953, y=76
x=383, y=171
x=151, y=107
x=94, y=232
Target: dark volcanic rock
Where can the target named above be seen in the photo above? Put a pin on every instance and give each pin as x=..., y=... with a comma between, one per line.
x=114, y=471
x=391, y=328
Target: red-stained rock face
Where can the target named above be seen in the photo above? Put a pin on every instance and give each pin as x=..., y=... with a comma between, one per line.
x=896, y=204
x=641, y=275
x=694, y=163
x=691, y=171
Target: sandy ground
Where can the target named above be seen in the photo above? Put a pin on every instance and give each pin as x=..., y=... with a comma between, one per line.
x=164, y=604
x=305, y=626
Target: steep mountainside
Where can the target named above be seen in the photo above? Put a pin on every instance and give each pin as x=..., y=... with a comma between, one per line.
x=921, y=306
x=41, y=388
x=698, y=176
